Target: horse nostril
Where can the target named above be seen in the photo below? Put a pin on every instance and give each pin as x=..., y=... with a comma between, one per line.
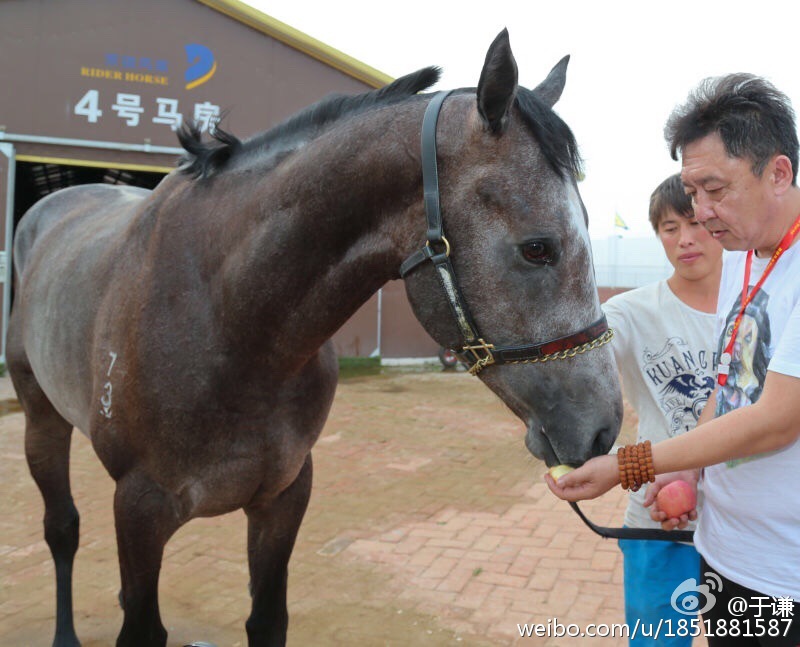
x=603, y=441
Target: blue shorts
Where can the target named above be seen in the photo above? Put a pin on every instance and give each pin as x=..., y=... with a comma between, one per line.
x=652, y=572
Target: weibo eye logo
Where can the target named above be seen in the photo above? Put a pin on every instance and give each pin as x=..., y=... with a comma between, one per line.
x=686, y=599
x=202, y=65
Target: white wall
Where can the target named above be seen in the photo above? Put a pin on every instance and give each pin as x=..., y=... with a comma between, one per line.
x=629, y=262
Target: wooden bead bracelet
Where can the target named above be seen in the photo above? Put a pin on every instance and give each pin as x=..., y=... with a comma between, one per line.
x=635, y=465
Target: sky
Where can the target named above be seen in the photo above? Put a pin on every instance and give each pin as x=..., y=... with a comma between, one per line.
x=631, y=63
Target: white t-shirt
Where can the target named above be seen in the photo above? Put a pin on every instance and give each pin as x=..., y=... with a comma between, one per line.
x=750, y=527
x=666, y=353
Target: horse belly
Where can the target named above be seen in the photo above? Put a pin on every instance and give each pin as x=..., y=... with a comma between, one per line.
x=230, y=463
x=65, y=267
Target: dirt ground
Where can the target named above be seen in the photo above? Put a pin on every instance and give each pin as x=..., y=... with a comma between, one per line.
x=429, y=524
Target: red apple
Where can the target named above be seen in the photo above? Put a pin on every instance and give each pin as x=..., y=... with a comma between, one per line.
x=676, y=498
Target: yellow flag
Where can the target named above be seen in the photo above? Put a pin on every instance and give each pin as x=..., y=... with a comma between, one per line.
x=619, y=222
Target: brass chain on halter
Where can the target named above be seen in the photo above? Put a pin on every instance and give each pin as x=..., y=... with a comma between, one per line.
x=606, y=337
x=567, y=353
x=475, y=351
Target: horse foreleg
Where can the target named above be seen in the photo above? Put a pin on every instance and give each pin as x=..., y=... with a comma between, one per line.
x=145, y=519
x=271, y=532
x=47, y=445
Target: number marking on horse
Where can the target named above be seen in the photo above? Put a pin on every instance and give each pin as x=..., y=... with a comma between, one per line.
x=105, y=399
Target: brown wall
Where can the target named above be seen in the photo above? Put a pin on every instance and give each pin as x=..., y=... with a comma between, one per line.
x=607, y=293
x=50, y=49
x=57, y=54
x=401, y=334
x=54, y=53
x=359, y=336
x=5, y=164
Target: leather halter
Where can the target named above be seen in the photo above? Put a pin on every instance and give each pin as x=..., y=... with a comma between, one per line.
x=476, y=352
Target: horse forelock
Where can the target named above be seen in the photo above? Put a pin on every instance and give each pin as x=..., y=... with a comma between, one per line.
x=556, y=140
x=203, y=159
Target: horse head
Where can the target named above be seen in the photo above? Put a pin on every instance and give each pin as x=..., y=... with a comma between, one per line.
x=512, y=267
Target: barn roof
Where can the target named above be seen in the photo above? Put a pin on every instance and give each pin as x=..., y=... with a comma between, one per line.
x=298, y=40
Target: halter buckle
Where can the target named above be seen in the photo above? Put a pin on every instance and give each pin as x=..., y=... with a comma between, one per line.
x=442, y=240
x=482, y=355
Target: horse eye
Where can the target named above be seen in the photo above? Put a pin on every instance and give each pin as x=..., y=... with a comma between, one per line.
x=538, y=252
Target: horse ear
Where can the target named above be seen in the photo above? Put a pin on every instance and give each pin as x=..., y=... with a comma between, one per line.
x=498, y=84
x=549, y=91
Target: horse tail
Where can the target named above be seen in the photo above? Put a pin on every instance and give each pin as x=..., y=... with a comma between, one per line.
x=204, y=158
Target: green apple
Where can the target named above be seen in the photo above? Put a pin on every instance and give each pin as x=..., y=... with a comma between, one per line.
x=558, y=471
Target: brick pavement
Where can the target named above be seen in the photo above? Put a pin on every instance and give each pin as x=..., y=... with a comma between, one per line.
x=487, y=571
x=428, y=525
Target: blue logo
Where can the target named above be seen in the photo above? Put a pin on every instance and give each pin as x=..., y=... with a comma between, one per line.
x=202, y=65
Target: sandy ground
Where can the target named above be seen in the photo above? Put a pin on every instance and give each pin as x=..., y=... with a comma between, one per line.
x=429, y=524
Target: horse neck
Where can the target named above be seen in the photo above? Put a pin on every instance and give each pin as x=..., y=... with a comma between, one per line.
x=321, y=233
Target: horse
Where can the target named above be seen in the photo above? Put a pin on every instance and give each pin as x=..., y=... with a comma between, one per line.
x=186, y=331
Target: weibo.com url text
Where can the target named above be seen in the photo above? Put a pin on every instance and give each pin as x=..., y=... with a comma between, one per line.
x=665, y=628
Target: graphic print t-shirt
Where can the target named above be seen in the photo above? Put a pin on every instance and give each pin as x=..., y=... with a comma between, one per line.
x=750, y=524
x=665, y=352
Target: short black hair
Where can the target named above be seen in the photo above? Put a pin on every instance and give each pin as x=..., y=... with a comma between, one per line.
x=669, y=196
x=754, y=119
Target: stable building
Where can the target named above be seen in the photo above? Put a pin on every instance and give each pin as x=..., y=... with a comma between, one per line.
x=94, y=91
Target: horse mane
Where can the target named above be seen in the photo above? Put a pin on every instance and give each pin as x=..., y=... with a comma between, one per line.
x=555, y=138
x=203, y=159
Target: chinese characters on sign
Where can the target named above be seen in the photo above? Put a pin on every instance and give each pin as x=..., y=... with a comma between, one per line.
x=129, y=108
x=136, y=62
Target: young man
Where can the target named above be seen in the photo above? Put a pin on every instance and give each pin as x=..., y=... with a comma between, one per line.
x=738, y=142
x=664, y=347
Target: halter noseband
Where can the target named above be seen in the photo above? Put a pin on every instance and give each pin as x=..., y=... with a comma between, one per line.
x=477, y=353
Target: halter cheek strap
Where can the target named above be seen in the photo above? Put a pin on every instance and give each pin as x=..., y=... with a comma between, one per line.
x=476, y=352
x=437, y=249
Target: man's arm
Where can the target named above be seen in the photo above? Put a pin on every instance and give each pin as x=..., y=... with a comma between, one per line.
x=771, y=423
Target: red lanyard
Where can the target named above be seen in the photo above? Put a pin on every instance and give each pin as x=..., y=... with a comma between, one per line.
x=725, y=360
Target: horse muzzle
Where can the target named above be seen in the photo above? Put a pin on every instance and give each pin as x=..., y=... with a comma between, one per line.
x=569, y=446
